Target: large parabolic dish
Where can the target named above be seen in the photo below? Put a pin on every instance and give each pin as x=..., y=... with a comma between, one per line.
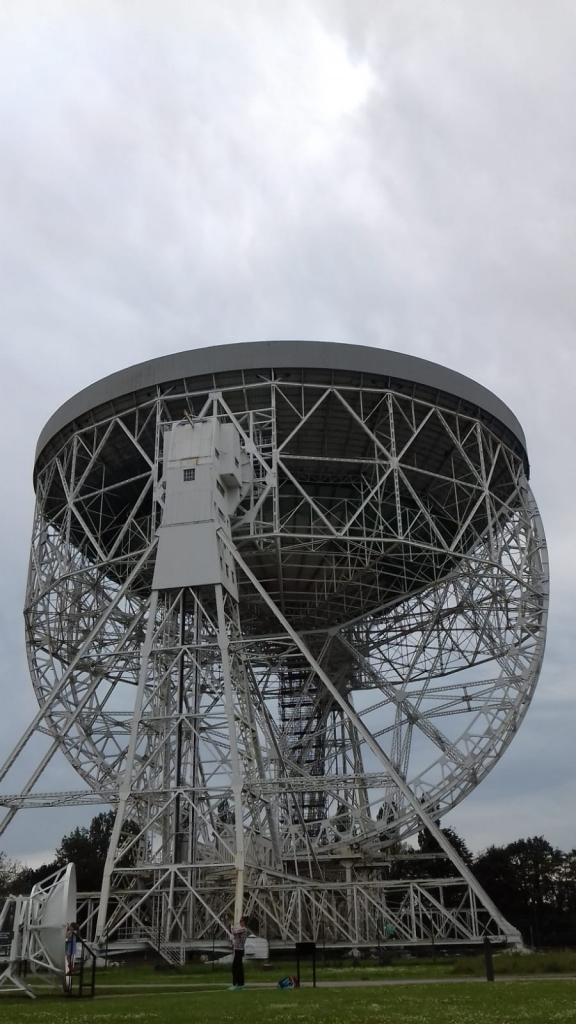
x=385, y=514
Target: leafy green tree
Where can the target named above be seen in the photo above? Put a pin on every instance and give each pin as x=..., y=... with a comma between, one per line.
x=27, y=877
x=525, y=880
x=566, y=884
x=497, y=875
x=87, y=849
x=537, y=865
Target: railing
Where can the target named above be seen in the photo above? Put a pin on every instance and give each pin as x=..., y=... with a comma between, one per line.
x=86, y=984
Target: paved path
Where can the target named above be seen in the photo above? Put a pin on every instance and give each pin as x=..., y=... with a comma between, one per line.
x=117, y=990
x=351, y=983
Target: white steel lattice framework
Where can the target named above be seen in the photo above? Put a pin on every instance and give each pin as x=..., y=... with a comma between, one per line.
x=336, y=655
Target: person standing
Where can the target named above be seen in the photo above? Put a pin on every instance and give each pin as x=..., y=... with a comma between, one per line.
x=70, y=946
x=70, y=949
x=239, y=935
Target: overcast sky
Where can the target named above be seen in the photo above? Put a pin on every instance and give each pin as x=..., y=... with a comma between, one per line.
x=397, y=173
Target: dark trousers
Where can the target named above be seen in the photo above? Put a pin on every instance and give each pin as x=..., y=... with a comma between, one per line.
x=238, y=967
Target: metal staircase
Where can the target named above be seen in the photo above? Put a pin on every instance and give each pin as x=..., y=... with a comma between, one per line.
x=300, y=716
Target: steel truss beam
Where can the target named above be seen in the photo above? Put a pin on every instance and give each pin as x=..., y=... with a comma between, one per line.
x=364, y=914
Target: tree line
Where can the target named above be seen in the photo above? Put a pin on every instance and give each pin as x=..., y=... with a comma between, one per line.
x=531, y=882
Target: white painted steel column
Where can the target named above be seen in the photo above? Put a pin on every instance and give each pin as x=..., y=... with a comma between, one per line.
x=126, y=783
x=236, y=777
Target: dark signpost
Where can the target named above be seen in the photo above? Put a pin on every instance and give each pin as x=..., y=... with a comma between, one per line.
x=306, y=949
x=488, y=960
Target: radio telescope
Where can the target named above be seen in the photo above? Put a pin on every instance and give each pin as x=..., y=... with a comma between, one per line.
x=286, y=607
x=37, y=926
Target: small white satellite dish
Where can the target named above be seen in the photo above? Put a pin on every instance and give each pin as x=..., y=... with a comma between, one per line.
x=39, y=929
x=56, y=910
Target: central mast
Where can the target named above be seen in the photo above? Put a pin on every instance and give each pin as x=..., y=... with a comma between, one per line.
x=183, y=810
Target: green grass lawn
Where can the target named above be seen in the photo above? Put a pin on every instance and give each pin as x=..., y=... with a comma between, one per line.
x=531, y=1002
